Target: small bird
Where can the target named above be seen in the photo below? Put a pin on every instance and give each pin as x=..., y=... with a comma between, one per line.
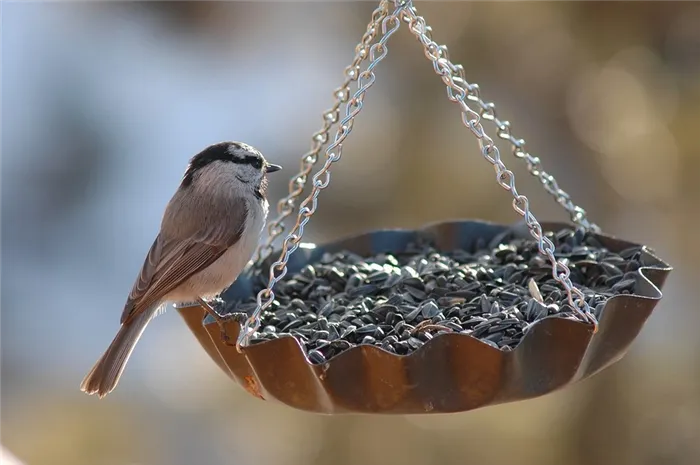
x=209, y=232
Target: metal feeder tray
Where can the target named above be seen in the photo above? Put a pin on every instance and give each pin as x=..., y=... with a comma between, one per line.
x=450, y=373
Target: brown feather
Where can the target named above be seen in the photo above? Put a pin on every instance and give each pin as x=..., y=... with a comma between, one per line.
x=187, y=249
x=105, y=374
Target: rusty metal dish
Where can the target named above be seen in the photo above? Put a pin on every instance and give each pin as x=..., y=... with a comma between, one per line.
x=450, y=373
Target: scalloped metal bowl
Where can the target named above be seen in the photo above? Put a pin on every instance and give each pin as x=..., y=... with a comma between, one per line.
x=451, y=372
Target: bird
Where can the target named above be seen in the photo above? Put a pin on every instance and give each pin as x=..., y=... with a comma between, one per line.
x=208, y=233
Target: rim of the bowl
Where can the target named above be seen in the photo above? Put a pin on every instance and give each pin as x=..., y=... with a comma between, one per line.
x=651, y=260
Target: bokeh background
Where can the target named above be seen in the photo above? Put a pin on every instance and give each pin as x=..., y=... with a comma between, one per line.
x=104, y=103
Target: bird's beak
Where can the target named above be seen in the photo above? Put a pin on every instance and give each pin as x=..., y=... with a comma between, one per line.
x=270, y=168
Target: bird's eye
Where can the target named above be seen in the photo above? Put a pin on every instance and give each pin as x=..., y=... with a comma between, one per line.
x=257, y=164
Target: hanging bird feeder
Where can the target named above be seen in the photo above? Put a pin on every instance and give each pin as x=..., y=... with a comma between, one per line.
x=452, y=317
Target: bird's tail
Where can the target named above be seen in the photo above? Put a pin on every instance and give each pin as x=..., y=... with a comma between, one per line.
x=104, y=376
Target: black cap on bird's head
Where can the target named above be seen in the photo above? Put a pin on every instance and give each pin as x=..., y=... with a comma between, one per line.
x=233, y=152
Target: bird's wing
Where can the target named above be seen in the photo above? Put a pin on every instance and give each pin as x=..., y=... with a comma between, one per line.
x=170, y=262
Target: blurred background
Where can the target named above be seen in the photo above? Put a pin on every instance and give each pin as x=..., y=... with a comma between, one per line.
x=103, y=104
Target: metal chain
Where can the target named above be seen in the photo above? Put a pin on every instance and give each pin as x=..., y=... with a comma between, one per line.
x=377, y=53
x=446, y=70
x=285, y=207
x=488, y=112
x=534, y=165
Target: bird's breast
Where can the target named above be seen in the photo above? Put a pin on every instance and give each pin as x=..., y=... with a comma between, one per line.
x=224, y=271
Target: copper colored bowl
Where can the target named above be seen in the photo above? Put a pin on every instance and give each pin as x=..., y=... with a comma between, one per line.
x=451, y=372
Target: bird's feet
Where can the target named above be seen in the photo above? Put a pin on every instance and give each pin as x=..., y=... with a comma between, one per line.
x=238, y=317
x=221, y=320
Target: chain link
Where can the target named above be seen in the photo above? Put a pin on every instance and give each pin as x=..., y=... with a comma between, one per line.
x=285, y=207
x=458, y=94
x=458, y=91
x=534, y=165
x=321, y=179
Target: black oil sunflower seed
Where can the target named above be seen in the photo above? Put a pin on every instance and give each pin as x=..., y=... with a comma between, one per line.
x=400, y=301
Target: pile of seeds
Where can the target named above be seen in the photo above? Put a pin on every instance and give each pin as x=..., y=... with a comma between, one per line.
x=399, y=302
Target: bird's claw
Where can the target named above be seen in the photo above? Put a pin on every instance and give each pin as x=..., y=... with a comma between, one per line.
x=225, y=338
x=218, y=304
x=237, y=317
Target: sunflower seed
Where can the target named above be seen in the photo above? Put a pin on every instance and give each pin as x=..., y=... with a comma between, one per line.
x=400, y=301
